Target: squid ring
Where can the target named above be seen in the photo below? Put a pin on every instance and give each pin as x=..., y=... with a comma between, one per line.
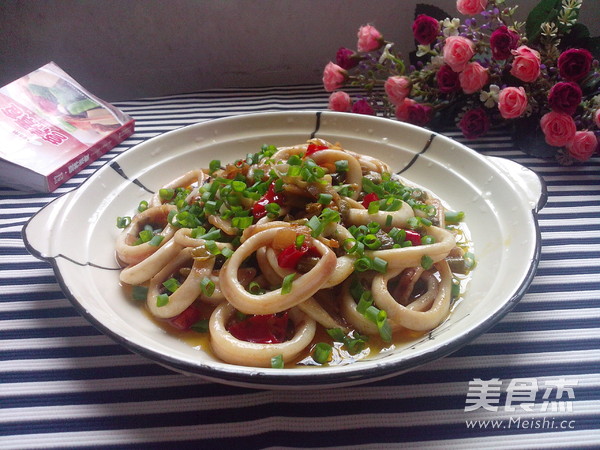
x=236, y=351
x=274, y=301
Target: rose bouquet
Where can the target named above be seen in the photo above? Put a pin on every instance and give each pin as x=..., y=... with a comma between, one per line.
x=540, y=76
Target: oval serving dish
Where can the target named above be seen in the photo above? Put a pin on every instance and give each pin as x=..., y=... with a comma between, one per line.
x=76, y=233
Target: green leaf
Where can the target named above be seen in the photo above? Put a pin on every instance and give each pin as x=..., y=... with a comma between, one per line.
x=544, y=11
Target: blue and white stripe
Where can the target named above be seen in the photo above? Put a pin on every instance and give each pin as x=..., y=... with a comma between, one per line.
x=65, y=385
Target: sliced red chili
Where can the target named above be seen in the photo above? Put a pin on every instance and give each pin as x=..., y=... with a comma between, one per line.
x=312, y=148
x=371, y=197
x=259, y=208
x=267, y=329
x=186, y=319
x=289, y=256
x=413, y=237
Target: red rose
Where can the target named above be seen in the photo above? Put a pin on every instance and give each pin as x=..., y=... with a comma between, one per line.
x=574, y=64
x=346, y=59
x=474, y=123
x=419, y=114
x=447, y=79
x=565, y=97
x=502, y=41
x=362, y=107
x=425, y=29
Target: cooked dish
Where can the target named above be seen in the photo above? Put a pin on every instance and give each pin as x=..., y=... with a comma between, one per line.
x=311, y=254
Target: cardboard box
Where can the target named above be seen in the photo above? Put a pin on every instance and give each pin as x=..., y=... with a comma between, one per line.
x=51, y=128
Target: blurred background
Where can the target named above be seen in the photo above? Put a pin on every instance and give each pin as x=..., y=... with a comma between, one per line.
x=122, y=50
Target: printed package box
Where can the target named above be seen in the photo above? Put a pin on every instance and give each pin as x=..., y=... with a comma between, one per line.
x=51, y=128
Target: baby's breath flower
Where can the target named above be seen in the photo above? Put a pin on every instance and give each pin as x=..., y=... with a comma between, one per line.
x=490, y=98
x=451, y=26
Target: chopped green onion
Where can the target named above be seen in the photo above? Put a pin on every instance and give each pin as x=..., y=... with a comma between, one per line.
x=241, y=222
x=316, y=226
x=255, y=289
x=166, y=194
x=426, y=262
x=341, y=166
x=139, y=293
x=286, y=285
x=156, y=240
x=324, y=199
x=364, y=303
x=212, y=247
x=277, y=362
x=469, y=260
x=453, y=217
x=238, y=186
x=455, y=290
x=337, y=334
x=207, y=286
x=143, y=206
x=300, y=240
x=383, y=325
x=123, y=222
x=171, y=284
x=201, y=326
x=322, y=352
x=162, y=300
x=362, y=264
x=388, y=220
x=226, y=252
x=214, y=233
x=294, y=160
x=427, y=240
x=214, y=165
x=198, y=231
x=373, y=208
x=379, y=264
x=273, y=209
x=372, y=242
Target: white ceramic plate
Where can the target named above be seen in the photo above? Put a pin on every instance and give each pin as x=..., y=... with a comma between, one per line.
x=500, y=198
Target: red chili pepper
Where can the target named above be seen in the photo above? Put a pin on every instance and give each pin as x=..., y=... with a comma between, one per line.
x=289, y=256
x=312, y=148
x=259, y=210
x=372, y=197
x=186, y=319
x=267, y=329
x=413, y=237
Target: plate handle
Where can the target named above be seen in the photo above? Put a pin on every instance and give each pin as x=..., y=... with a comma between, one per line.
x=527, y=181
x=36, y=231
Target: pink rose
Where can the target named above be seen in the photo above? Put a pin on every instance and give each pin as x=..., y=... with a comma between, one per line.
x=425, y=29
x=419, y=114
x=369, y=39
x=447, y=79
x=558, y=128
x=340, y=101
x=471, y=7
x=565, y=97
x=583, y=145
x=346, y=58
x=363, y=107
x=334, y=77
x=574, y=64
x=526, y=65
x=397, y=89
x=402, y=109
x=473, y=78
x=502, y=41
x=597, y=118
x=512, y=102
x=474, y=123
x=457, y=52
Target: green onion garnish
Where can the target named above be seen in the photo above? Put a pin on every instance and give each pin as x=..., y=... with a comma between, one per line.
x=123, y=222
x=300, y=240
x=156, y=240
x=171, y=284
x=453, y=217
x=207, y=286
x=426, y=262
x=341, y=166
x=362, y=264
x=469, y=260
x=427, y=240
x=143, y=206
x=214, y=165
x=286, y=285
x=139, y=293
x=277, y=362
x=162, y=300
x=324, y=199
x=378, y=264
x=201, y=326
x=166, y=194
x=322, y=352
x=336, y=334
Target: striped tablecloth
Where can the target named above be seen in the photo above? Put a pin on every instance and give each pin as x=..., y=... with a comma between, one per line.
x=63, y=384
